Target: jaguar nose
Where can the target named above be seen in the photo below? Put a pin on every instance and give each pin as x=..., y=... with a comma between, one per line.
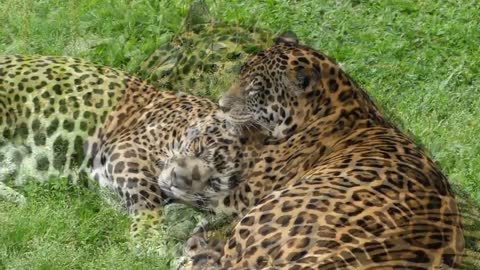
x=224, y=109
x=223, y=105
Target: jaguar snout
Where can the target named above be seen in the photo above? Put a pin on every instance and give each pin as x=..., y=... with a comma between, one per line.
x=223, y=104
x=224, y=109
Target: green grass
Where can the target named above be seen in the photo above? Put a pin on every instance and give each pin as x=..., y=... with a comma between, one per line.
x=66, y=227
x=419, y=59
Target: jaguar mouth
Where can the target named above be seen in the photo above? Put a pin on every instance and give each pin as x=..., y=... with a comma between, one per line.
x=245, y=125
x=239, y=119
x=235, y=117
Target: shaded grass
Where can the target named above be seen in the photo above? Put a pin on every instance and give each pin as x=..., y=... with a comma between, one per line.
x=419, y=59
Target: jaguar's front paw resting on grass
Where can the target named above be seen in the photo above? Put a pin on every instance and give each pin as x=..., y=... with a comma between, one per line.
x=145, y=230
x=163, y=231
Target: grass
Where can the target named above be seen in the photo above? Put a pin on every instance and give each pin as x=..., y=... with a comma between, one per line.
x=66, y=227
x=419, y=59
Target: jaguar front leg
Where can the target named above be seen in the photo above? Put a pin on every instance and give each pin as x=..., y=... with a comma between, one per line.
x=140, y=194
x=146, y=200
x=203, y=249
x=193, y=181
x=145, y=227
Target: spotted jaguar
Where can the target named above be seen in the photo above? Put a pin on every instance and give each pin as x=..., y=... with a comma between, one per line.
x=50, y=106
x=181, y=139
x=336, y=185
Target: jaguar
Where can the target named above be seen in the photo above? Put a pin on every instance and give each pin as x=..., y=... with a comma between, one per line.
x=181, y=139
x=48, y=107
x=66, y=117
x=336, y=184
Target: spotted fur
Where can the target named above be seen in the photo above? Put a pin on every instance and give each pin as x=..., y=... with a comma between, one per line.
x=48, y=107
x=336, y=186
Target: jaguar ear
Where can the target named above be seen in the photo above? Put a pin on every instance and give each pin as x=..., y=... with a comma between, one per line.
x=198, y=15
x=288, y=37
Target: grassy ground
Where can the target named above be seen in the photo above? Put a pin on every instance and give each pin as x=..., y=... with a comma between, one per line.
x=66, y=227
x=419, y=59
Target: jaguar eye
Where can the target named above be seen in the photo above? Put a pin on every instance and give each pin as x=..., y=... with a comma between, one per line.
x=161, y=164
x=252, y=92
x=254, y=87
